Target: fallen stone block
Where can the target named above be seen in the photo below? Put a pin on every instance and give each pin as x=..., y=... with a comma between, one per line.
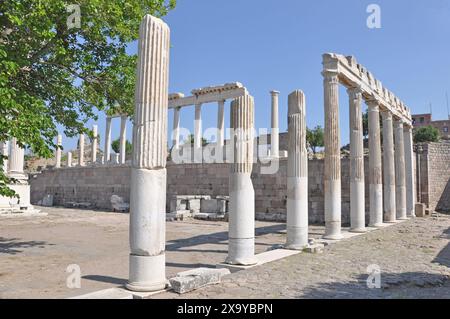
x=197, y=278
x=314, y=249
x=179, y=215
x=209, y=206
x=420, y=210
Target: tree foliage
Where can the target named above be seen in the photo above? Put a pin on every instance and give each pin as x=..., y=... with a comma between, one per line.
x=426, y=134
x=53, y=74
x=115, y=145
x=315, y=138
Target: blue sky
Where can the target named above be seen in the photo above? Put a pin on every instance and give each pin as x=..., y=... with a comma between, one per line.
x=268, y=44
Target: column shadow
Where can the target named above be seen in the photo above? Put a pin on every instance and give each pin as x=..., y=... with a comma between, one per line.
x=13, y=246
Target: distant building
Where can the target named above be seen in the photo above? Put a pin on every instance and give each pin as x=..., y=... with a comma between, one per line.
x=420, y=120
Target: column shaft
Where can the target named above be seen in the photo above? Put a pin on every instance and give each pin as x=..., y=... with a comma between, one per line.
x=198, y=134
x=16, y=160
x=375, y=166
x=357, y=187
x=69, y=159
x=409, y=172
x=81, y=151
x=58, y=151
x=332, y=176
x=400, y=180
x=4, y=150
x=221, y=130
x=176, y=128
x=388, y=168
x=94, y=143
x=123, y=139
x=274, y=138
x=297, y=174
x=148, y=208
x=241, y=247
x=108, y=139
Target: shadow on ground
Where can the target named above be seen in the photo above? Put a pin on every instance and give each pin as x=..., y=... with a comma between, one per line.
x=443, y=258
x=393, y=285
x=13, y=246
x=106, y=279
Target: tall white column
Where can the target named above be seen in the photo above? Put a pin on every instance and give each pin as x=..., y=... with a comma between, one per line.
x=409, y=172
x=148, y=209
x=4, y=150
x=58, y=151
x=198, y=152
x=332, y=176
x=357, y=187
x=375, y=165
x=108, y=140
x=123, y=139
x=221, y=129
x=176, y=128
x=241, y=241
x=400, y=180
x=69, y=159
x=274, y=137
x=388, y=168
x=94, y=143
x=81, y=151
x=16, y=161
x=297, y=174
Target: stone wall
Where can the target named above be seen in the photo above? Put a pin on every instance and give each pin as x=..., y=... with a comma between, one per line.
x=435, y=176
x=96, y=185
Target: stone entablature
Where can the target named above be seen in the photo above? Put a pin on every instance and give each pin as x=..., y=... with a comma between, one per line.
x=352, y=74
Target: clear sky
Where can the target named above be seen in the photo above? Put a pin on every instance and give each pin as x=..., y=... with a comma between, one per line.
x=278, y=44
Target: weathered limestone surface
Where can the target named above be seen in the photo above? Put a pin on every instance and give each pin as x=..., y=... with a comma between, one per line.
x=194, y=279
x=332, y=178
x=198, y=134
x=94, y=145
x=409, y=167
x=400, y=170
x=81, y=151
x=241, y=246
x=297, y=174
x=388, y=168
x=375, y=165
x=69, y=159
x=147, y=209
x=108, y=139
x=176, y=128
x=357, y=187
x=274, y=138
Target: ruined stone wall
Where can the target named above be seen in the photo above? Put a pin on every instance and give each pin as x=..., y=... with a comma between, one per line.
x=435, y=176
x=95, y=185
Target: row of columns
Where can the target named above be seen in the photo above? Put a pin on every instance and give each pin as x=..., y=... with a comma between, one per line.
x=122, y=139
x=390, y=174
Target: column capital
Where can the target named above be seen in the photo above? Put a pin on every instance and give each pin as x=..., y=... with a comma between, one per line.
x=330, y=75
x=275, y=93
x=373, y=103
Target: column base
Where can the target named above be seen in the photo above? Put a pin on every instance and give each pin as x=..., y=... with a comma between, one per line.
x=241, y=252
x=358, y=230
x=376, y=225
x=333, y=230
x=147, y=273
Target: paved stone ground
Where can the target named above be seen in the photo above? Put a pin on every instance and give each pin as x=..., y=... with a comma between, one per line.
x=414, y=258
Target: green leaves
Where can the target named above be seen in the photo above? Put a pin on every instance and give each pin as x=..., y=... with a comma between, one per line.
x=426, y=134
x=50, y=74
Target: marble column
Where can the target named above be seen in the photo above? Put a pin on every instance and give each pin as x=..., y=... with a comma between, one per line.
x=357, y=187
x=16, y=161
x=123, y=139
x=409, y=172
x=274, y=137
x=241, y=241
x=58, y=151
x=69, y=159
x=221, y=130
x=388, y=168
x=176, y=128
x=108, y=140
x=332, y=176
x=148, y=209
x=4, y=150
x=400, y=180
x=81, y=151
x=375, y=165
x=297, y=174
x=94, y=143
x=198, y=155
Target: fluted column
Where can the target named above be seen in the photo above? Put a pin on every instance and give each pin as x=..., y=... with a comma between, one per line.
x=221, y=129
x=108, y=140
x=123, y=139
x=176, y=128
x=16, y=161
x=357, y=187
x=297, y=174
x=332, y=176
x=69, y=159
x=198, y=151
x=241, y=241
x=148, y=208
x=388, y=168
x=4, y=150
x=58, y=151
x=409, y=172
x=94, y=143
x=375, y=165
x=400, y=180
x=275, y=132
x=81, y=151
